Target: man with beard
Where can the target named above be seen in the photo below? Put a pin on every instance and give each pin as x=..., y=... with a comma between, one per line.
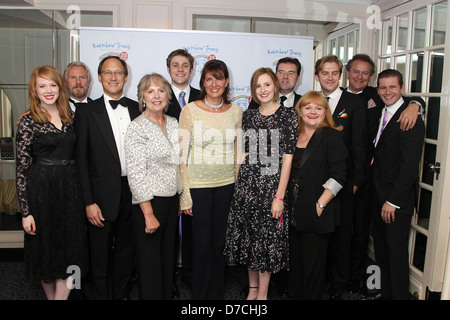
x=78, y=81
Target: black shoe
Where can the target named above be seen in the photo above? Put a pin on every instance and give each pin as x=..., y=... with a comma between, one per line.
x=334, y=294
x=354, y=286
x=175, y=291
x=372, y=294
x=244, y=291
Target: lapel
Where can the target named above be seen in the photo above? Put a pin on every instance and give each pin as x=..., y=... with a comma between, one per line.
x=132, y=110
x=340, y=105
x=391, y=124
x=313, y=142
x=102, y=119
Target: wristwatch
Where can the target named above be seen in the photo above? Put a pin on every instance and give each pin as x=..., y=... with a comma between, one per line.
x=321, y=206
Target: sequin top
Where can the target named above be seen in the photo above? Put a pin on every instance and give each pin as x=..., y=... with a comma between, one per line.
x=207, y=142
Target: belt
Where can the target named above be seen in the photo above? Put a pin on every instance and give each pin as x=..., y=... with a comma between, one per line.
x=52, y=162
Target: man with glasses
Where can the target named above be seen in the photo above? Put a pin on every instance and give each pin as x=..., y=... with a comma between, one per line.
x=100, y=129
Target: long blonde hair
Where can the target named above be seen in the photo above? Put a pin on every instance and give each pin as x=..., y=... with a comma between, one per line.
x=39, y=113
x=318, y=99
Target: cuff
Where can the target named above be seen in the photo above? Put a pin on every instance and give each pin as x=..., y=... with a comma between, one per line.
x=333, y=186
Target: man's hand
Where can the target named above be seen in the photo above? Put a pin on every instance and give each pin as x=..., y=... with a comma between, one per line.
x=409, y=116
x=94, y=215
x=388, y=213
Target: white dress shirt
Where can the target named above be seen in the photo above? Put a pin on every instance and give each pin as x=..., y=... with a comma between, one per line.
x=176, y=93
x=334, y=99
x=119, y=119
x=391, y=110
x=289, y=102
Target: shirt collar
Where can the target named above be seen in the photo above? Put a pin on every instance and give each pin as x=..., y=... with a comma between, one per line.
x=392, y=109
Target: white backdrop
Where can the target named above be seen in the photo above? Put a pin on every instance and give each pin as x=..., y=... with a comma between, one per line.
x=145, y=51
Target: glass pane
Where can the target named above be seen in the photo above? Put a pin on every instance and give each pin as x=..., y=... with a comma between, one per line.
x=402, y=32
x=429, y=158
x=420, y=23
x=386, y=46
x=351, y=45
x=420, y=247
x=385, y=63
x=439, y=23
x=416, y=72
x=221, y=24
x=432, y=115
x=436, y=70
x=333, y=49
x=401, y=65
x=341, y=47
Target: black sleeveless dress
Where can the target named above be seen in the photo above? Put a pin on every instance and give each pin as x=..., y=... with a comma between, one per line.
x=51, y=194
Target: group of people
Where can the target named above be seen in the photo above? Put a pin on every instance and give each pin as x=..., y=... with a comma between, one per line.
x=286, y=188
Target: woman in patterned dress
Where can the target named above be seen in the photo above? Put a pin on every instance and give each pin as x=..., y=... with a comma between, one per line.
x=257, y=233
x=152, y=157
x=48, y=189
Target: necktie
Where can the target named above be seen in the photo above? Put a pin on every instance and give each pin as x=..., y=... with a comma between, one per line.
x=328, y=99
x=282, y=100
x=114, y=103
x=383, y=124
x=181, y=100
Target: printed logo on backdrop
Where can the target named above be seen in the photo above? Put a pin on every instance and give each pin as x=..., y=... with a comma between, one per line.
x=241, y=96
x=284, y=53
x=242, y=101
x=202, y=54
x=118, y=49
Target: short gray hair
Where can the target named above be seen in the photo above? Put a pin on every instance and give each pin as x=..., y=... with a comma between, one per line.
x=77, y=64
x=145, y=82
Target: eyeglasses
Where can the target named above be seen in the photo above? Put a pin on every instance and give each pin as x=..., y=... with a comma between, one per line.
x=110, y=73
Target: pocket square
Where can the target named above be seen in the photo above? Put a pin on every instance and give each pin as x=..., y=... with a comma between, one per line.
x=371, y=104
x=342, y=114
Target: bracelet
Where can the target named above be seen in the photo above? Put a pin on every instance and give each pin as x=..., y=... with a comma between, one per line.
x=278, y=198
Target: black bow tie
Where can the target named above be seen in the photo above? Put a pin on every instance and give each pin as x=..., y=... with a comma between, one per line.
x=114, y=103
x=75, y=103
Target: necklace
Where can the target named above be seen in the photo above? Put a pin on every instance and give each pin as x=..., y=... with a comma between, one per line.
x=216, y=108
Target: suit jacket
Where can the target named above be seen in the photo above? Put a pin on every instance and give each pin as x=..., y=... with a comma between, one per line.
x=351, y=113
x=254, y=105
x=174, y=109
x=396, y=162
x=324, y=157
x=97, y=157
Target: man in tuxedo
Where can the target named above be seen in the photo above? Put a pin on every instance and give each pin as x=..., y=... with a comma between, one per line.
x=180, y=66
x=349, y=111
x=359, y=71
x=77, y=78
x=288, y=73
x=100, y=128
x=397, y=156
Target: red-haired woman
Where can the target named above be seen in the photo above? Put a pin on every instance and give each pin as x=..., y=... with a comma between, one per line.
x=47, y=186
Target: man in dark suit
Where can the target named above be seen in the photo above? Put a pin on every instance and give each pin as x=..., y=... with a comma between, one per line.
x=180, y=66
x=77, y=78
x=348, y=110
x=100, y=128
x=397, y=156
x=359, y=71
x=288, y=73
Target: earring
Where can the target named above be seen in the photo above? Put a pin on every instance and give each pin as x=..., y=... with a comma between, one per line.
x=143, y=105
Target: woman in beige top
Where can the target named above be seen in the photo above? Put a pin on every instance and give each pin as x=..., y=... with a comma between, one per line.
x=210, y=131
